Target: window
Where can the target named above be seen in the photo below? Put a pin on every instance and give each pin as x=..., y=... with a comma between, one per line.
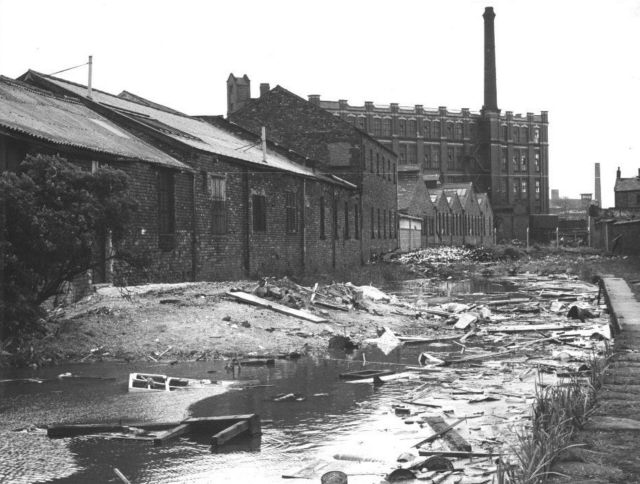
x=505, y=160
x=351, y=119
x=536, y=160
x=377, y=126
x=393, y=169
x=449, y=130
x=259, y=203
x=505, y=133
x=391, y=224
x=436, y=129
x=435, y=156
x=458, y=130
x=361, y=123
x=335, y=219
x=166, y=210
x=536, y=135
x=379, y=223
x=516, y=134
x=402, y=128
x=411, y=127
x=377, y=163
x=524, y=188
x=356, y=221
x=371, y=159
x=524, y=162
x=450, y=156
x=322, y=218
x=216, y=189
x=515, y=159
x=389, y=169
x=346, y=220
x=427, y=161
x=373, y=231
x=524, y=134
x=384, y=224
x=291, y=210
x=403, y=154
x=427, y=129
x=516, y=187
x=538, y=190
x=386, y=127
x=412, y=155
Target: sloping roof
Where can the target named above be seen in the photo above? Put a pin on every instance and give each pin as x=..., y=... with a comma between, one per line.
x=627, y=184
x=63, y=121
x=187, y=130
x=329, y=119
x=406, y=192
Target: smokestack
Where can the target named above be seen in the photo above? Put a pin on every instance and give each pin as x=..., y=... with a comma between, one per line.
x=597, y=187
x=490, y=90
x=618, y=174
x=89, y=93
x=264, y=88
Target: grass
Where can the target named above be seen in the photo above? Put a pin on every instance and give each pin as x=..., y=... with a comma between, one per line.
x=557, y=412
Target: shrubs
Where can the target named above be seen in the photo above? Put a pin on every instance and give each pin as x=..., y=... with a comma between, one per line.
x=54, y=215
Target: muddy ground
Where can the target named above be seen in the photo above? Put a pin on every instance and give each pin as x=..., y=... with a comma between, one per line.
x=193, y=321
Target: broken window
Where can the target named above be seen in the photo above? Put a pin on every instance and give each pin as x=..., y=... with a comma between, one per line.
x=291, y=210
x=166, y=210
x=524, y=163
x=259, y=204
x=536, y=158
x=524, y=188
x=537, y=189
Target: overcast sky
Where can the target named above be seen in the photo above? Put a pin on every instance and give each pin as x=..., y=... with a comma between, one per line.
x=576, y=59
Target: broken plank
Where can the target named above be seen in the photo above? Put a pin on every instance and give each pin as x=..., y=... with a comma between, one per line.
x=503, y=302
x=229, y=433
x=425, y=340
x=453, y=438
x=280, y=308
x=437, y=312
x=454, y=454
x=174, y=433
x=327, y=305
x=522, y=328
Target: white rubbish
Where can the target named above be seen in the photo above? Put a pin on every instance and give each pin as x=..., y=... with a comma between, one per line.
x=388, y=341
x=465, y=320
x=371, y=292
x=556, y=307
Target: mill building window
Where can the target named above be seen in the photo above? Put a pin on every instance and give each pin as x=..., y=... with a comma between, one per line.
x=386, y=127
x=536, y=160
x=458, y=130
x=537, y=189
x=436, y=129
x=411, y=127
x=217, y=192
x=505, y=160
x=427, y=129
x=377, y=126
x=505, y=133
x=449, y=130
x=291, y=211
x=402, y=128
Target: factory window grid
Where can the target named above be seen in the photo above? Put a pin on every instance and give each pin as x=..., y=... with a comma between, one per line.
x=514, y=160
x=505, y=160
x=505, y=132
x=259, y=205
x=524, y=184
x=536, y=135
x=402, y=127
x=536, y=157
x=412, y=154
x=411, y=128
x=377, y=126
x=516, y=134
x=386, y=127
x=524, y=162
x=449, y=130
x=524, y=134
x=291, y=211
x=436, y=156
x=459, y=134
x=436, y=129
x=537, y=189
x=362, y=123
x=427, y=129
x=217, y=192
x=427, y=160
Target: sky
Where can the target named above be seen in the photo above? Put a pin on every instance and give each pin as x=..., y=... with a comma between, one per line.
x=576, y=59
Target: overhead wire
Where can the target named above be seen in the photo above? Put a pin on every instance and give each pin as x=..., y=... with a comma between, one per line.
x=68, y=69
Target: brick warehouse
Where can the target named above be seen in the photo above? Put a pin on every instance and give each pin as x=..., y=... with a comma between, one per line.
x=340, y=148
x=504, y=155
x=229, y=208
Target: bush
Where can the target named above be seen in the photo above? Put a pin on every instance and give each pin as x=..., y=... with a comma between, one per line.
x=55, y=214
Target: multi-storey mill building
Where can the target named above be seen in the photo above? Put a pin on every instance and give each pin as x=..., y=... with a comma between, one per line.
x=504, y=154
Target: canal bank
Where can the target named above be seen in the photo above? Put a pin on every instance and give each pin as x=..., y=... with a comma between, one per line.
x=609, y=442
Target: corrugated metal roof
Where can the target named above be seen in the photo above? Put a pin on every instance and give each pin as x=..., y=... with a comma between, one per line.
x=63, y=121
x=191, y=131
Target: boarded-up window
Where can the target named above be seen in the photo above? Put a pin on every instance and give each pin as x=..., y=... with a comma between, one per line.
x=291, y=209
x=217, y=192
x=259, y=205
x=166, y=211
x=322, y=218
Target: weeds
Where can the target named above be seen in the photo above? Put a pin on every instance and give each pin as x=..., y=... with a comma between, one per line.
x=557, y=412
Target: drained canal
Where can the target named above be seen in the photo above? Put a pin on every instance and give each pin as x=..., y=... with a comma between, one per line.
x=337, y=425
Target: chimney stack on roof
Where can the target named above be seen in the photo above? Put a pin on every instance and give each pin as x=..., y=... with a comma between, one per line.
x=490, y=90
x=618, y=174
x=314, y=99
x=264, y=88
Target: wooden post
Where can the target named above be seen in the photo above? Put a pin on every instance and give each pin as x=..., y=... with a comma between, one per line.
x=171, y=434
x=229, y=433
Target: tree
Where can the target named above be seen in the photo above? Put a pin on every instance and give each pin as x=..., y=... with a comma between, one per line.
x=54, y=214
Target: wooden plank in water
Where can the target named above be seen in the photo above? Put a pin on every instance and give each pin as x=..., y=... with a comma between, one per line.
x=229, y=433
x=258, y=301
x=453, y=438
x=59, y=431
x=362, y=374
x=171, y=434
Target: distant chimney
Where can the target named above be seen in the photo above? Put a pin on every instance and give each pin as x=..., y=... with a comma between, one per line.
x=314, y=99
x=597, y=187
x=618, y=173
x=238, y=92
x=490, y=90
x=264, y=88
x=638, y=172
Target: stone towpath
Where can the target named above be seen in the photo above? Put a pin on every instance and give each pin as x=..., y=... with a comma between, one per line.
x=611, y=437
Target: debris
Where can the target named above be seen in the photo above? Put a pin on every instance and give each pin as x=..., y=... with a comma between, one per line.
x=530, y=327
x=387, y=342
x=455, y=454
x=298, y=313
x=442, y=429
x=121, y=476
x=289, y=397
x=465, y=320
x=576, y=312
x=364, y=374
x=425, y=358
x=343, y=343
x=398, y=475
x=139, y=382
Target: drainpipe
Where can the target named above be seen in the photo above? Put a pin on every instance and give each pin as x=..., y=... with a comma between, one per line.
x=194, y=231
x=304, y=226
x=247, y=212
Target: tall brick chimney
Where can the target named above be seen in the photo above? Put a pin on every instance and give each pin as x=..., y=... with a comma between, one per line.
x=598, y=187
x=238, y=92
x=490, y=90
